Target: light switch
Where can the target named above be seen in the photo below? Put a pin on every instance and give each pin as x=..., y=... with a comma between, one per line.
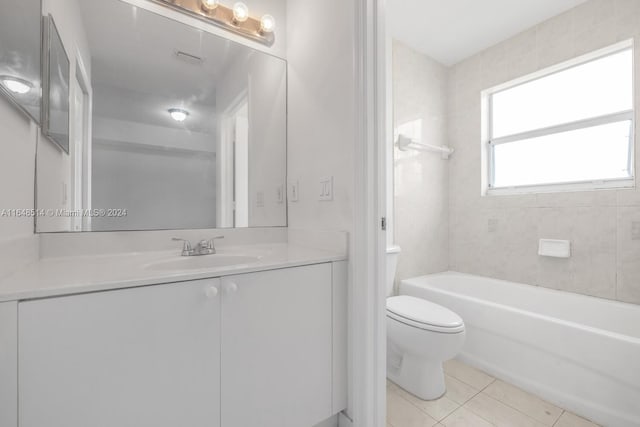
x=492, y=225
x=295, y=189
x=260, y=199
x=326, y=188
x=280, y=194
x=635, y=230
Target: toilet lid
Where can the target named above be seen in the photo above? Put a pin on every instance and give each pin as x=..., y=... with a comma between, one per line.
x=424, y=314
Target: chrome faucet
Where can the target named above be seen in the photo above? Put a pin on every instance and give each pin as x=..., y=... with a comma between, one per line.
x=204, y=247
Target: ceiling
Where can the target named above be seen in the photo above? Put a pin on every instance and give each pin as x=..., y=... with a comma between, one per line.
x=450, y=31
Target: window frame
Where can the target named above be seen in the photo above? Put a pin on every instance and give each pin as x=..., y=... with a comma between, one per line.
x=490, y=143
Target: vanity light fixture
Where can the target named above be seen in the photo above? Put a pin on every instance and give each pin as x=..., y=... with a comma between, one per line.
x=209, y=5
x=234, y=18
x=16, y=85
x=240, y=13
x=178, y=114
x=267, y=24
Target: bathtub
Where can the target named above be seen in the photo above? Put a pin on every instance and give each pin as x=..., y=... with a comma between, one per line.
x=579, y=352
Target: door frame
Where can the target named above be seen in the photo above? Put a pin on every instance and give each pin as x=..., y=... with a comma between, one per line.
x=368, y=262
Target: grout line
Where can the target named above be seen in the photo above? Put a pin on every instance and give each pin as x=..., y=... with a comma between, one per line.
x=519, y=410
x=476, y=414
x=561, y=414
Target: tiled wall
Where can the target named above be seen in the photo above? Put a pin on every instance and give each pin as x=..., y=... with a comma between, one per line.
x=497, y=236
x=421, y=179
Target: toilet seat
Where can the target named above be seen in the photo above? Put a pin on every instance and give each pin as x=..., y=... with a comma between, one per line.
x=424, y=314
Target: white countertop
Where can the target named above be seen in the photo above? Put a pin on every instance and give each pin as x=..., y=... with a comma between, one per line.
x=79, y=274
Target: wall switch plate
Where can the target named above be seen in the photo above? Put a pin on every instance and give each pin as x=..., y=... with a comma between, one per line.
x=295, y=190
x=326, y=188
x=635, y=230
x=260, y=199
x=280, y=194
x=492, y=225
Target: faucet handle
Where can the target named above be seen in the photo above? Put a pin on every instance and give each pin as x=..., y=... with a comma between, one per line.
x=186, y=248
x=211, y=243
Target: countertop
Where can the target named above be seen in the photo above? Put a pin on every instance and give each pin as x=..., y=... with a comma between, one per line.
x=50, y=277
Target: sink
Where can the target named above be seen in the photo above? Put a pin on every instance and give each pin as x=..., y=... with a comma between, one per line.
x=202, y=262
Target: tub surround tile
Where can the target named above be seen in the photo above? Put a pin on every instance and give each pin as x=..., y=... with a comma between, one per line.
x=463, y=417
x=467, y=374
x=499, y=414
x=567, y=419
x=524, y=402
x=628, y=280
x=605, y=263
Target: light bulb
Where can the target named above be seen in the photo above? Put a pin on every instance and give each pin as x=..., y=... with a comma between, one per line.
x=178, y=114
x=267, y=24
x=17, y=85
x=240, y=12
x=209, y=5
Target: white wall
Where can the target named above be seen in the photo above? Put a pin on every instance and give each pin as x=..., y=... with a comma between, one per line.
x=606, y=251
x=421, y=181
x=321, y=108
x=18, y=246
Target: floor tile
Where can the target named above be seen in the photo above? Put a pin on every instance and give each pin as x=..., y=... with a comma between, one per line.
x=437, y=409
x=498, y=413
x=465, y=373
x=465, y=418
x=401, y=413
x=458, y=391
x=567, y=419
x=527, y=403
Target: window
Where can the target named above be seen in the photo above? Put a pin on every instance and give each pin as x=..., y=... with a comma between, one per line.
x=564, y=128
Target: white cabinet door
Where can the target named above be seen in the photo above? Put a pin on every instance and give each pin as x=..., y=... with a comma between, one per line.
x=276, y=340
x=141, y=357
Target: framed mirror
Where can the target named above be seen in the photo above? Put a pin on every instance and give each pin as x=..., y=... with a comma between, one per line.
x=20, y=63
x=55, y=120
x=171, y=127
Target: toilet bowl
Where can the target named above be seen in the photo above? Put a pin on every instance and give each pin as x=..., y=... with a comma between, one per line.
x=421, y=335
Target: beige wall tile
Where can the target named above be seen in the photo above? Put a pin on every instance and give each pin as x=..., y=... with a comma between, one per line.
x=628, y=284
x=421, y=187
x=604, y=261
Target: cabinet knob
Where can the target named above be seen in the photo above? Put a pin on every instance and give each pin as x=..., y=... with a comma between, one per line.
x=211, y=292
x=230, y=288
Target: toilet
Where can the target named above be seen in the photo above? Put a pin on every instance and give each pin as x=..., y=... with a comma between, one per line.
x=421, y=335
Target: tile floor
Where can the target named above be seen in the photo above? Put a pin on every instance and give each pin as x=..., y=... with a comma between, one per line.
x=475, y=399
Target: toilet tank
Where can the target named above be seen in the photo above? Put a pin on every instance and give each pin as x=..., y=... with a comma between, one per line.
x=392, y=263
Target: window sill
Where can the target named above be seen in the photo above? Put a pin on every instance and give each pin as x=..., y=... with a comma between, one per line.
x=618, y=184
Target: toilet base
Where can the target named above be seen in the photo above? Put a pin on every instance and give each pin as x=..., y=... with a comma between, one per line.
x=421, y=377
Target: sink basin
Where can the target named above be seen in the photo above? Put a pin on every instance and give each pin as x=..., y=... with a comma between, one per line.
x=202, y=262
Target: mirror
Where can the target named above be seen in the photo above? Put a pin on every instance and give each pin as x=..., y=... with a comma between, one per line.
x=55, y=121
x=20, y=36
x=171, y=127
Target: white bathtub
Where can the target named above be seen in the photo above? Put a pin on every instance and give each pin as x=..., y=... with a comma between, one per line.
x=579, y=352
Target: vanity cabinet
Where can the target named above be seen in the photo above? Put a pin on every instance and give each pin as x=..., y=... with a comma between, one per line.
x=147, y=356
x=257, y=349
x=276, y=341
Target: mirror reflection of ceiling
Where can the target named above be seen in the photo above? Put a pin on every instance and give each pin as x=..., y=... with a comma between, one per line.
x=148, y=64
x=20, y=51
